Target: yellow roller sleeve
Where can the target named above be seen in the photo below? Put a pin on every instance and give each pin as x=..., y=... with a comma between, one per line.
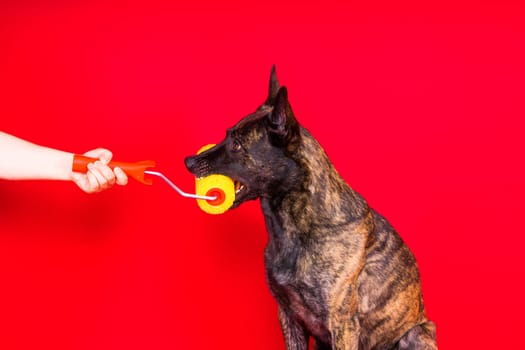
x=216, y=185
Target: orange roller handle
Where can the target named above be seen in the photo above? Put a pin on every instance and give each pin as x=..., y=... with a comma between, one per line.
x=134, y=170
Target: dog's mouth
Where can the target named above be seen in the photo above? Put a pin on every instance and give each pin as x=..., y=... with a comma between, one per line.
x=239, y=187
x=201, y=168
x=243, y=192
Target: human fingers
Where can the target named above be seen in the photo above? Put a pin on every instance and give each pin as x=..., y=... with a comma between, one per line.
x=106, y=172
x=122, y=178
x=91, y=184
x=83, y=182
x=102, y=174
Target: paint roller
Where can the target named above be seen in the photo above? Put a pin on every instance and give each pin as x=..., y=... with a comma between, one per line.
x=214, y=193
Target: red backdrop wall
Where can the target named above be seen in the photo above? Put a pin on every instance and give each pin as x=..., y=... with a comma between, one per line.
x=420, y=107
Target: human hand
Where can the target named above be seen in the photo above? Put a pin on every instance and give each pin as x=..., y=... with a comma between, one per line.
x=99, y=176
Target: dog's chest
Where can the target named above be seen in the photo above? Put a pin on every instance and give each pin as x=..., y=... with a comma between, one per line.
x=297, y=290
x=299, y=283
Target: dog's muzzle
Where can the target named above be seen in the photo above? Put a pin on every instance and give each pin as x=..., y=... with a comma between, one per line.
x=197, y=166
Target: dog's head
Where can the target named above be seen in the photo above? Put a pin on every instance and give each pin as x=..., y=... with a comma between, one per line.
x=257, y=153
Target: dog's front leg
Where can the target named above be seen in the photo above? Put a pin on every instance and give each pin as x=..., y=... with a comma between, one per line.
x=295, y=336
x=345, y=336
x=343, y=322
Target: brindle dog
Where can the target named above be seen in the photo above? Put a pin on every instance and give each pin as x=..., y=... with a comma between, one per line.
x=339, y=272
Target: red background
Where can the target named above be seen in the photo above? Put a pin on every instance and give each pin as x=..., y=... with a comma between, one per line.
x=420, y=107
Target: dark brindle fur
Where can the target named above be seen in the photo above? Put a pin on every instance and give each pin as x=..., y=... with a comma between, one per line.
x=338, y=270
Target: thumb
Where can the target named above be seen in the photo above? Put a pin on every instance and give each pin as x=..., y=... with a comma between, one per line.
x=103, y=154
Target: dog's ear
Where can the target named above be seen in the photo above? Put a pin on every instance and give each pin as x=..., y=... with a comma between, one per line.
x=273, y=88
x=278, y=116
x=283, y=127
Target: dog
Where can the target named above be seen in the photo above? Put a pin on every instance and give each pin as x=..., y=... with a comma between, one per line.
x=338, y=270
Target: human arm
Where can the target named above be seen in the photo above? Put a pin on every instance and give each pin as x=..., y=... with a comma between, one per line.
x=23, y=160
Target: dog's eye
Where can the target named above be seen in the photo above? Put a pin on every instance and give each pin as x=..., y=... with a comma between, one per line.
x=236, y=146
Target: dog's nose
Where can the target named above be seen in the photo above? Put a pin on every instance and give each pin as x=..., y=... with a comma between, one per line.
x=197, y=165
x=190, y=163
